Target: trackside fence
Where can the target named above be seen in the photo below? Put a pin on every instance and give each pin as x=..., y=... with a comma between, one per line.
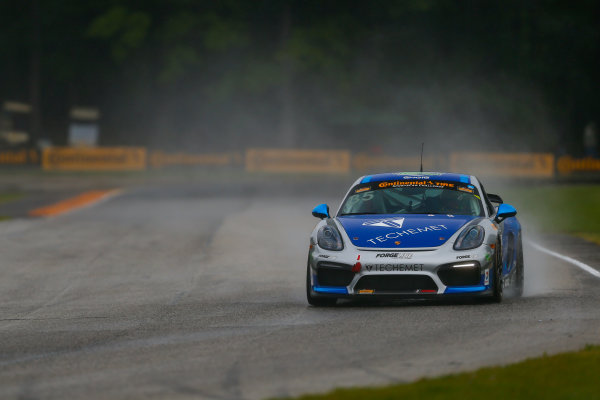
x=273, y=160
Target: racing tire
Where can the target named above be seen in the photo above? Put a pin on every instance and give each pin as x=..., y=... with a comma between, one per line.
x=520, y=272
x=497, y=275
x=314, y=300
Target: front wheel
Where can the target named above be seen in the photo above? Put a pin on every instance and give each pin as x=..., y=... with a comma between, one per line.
x=314, y=300
x=520, y=281
x=497, y=275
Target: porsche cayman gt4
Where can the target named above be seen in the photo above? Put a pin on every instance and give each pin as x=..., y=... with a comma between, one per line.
x=415, y=235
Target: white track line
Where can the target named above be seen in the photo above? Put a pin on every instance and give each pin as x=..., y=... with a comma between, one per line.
x=579, y=264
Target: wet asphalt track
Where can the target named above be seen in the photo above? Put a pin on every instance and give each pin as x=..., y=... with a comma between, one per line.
x=198, y=292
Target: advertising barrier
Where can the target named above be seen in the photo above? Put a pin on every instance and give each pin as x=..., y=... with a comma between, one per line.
x=509, y=165
x=19, y=157
x=160, y=159
x=283, y=160
x=566, y=165
x=513, y=165
x=367, y=162
x=94, y=158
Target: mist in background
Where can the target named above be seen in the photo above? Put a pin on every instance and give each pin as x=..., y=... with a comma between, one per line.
x=378, y=76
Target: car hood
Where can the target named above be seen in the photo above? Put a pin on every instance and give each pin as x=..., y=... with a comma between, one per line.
x=402, y=231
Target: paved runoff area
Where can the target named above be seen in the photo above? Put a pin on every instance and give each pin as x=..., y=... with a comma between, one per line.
x=197, y=291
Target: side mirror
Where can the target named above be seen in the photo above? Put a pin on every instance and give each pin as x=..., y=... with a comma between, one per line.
x=494, y=198
x=321, y=211
x=505, y=211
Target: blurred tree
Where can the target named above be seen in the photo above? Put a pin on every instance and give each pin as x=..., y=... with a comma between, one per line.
x=202, y=73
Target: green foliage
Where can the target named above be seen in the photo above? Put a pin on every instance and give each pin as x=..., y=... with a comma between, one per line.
x=396, y=69
x=222, y=34
x=563, y=376
x=176, y=62
x=126, y=29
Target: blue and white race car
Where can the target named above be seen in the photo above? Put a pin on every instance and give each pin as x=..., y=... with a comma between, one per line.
x=415, y=234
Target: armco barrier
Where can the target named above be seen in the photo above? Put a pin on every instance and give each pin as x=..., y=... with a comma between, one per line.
x=284, y=160
x=94, y=158
x=566, y=165
x=160, y=159
x=19, y=157
x=513, y=165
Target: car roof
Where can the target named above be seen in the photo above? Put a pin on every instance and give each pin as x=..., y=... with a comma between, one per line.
x=404, y=176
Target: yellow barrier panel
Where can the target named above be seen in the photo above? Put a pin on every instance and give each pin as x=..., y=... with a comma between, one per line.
x=566, y=165
x=19, y=157
x=514, y=165
x=158, y=159
x=364, y=162
x=94, y=158
x=284, y=160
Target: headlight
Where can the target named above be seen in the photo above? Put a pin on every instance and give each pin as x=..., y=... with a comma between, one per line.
x=329, y=238
x=470, y=238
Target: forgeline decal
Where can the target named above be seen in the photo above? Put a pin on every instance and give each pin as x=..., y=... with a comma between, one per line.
x=386, y=223
x=463, y=257
x=364, y=189
x=486, y=280
x=393, y=267
x=417, y=183
x=404, y=256
x=407, y=232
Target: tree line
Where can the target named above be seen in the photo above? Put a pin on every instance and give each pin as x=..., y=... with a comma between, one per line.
x=376, y=75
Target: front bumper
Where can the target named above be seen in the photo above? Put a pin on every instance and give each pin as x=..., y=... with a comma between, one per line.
x=407, y=273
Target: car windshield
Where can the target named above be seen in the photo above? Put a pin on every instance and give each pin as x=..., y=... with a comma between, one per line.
x=413, y=197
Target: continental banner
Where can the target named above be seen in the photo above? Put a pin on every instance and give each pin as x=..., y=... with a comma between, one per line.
x=567, y=165
x=367, y=162
x=284, y=160
x=94, y=158
x=19, y=157
x=160, y=159
x=513, y=165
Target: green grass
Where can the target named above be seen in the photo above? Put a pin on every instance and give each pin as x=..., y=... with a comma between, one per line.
x=564, y=376
x=572, y=209
x=6, y=197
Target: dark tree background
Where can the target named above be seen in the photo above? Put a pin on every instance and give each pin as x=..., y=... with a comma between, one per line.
x=208, y=75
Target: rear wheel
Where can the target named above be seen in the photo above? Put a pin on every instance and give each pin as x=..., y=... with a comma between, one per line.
x=314, y=300
x=497, y=275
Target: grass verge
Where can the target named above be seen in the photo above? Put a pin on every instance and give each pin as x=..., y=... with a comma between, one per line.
x=563, y=376
x=6, y=197
x=572, y=209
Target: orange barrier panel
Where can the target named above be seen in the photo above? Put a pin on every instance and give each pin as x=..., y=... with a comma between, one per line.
x=367, y=162
x=158, y=159
x=94, y=158
x=19, y=157
x=284, y=160
x=513, y=165
x=567, y=165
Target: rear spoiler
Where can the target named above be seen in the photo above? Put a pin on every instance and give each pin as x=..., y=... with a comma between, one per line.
x=494, y=198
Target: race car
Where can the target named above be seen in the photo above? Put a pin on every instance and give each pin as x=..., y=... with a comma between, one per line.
x=415, y=235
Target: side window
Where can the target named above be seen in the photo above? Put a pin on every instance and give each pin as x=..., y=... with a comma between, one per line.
x=487, y=201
